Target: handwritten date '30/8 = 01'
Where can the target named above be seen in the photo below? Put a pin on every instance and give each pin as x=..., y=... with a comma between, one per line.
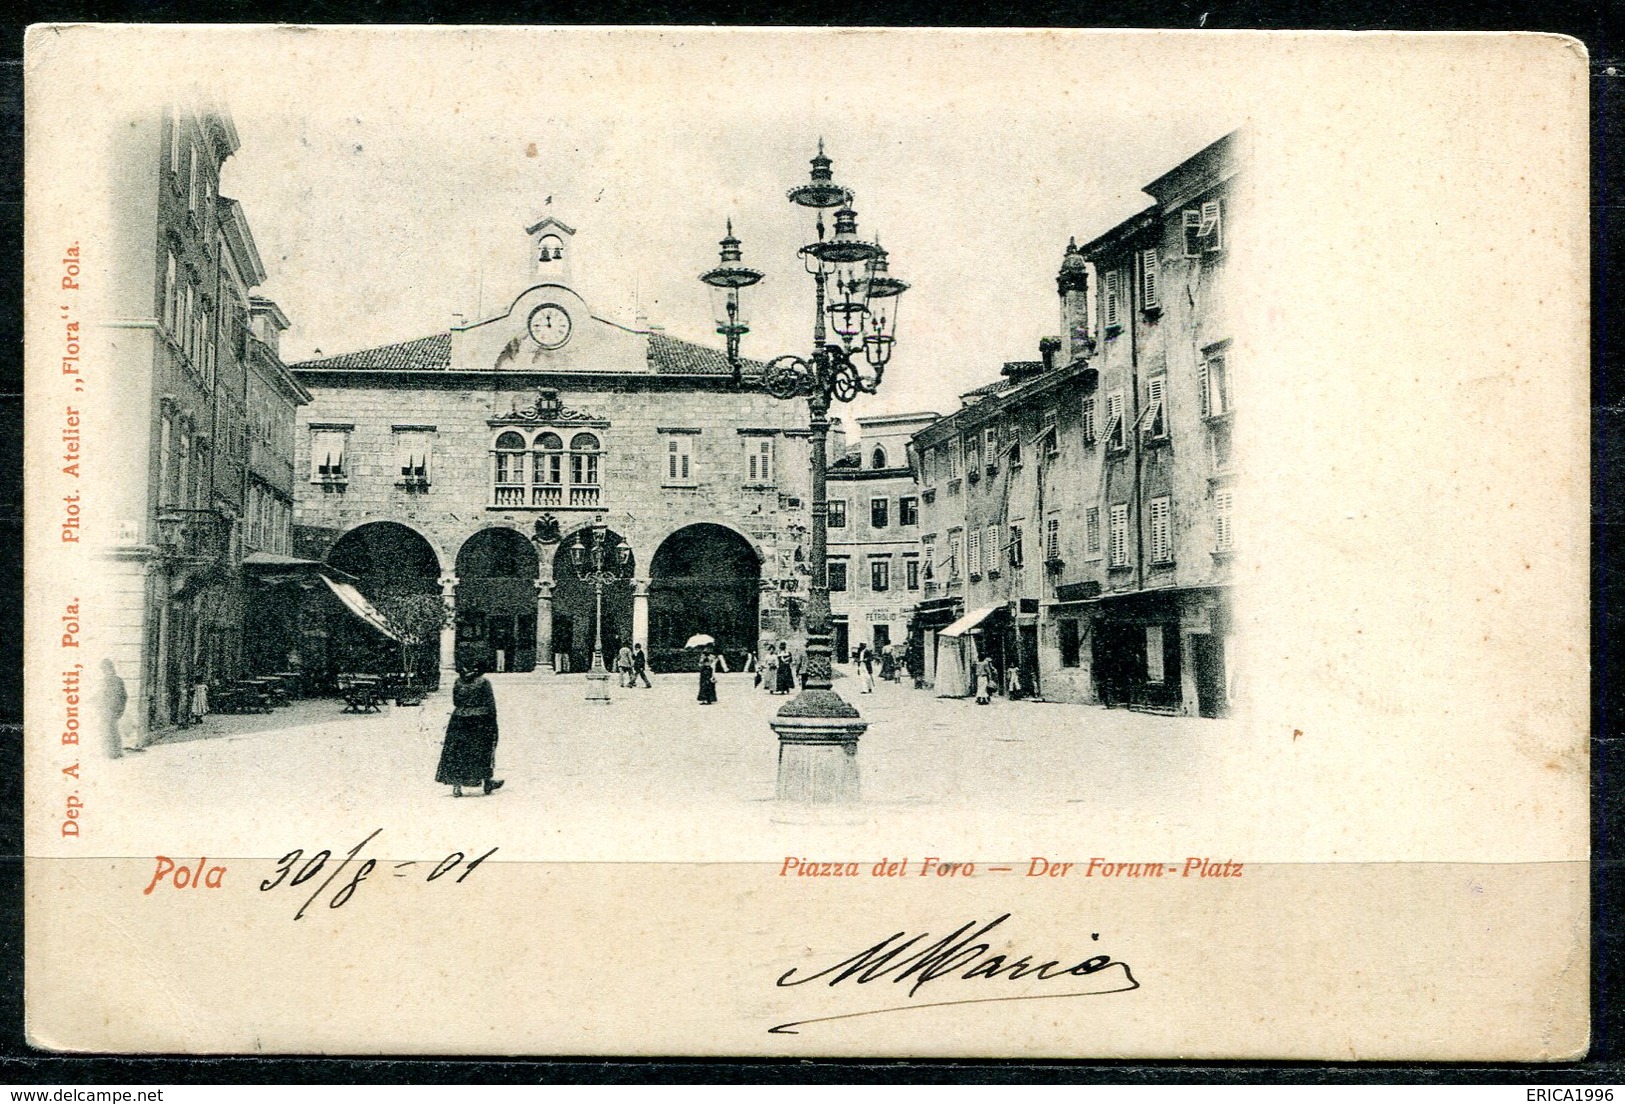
x=295, y=870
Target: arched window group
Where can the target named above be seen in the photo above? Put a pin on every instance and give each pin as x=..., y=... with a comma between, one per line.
x=542, y=472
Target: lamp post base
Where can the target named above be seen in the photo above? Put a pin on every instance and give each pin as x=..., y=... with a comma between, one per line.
x=598, y=686
x=818, y=749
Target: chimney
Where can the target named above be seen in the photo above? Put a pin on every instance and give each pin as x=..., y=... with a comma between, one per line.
x=1073, y=285
x=1047, y=348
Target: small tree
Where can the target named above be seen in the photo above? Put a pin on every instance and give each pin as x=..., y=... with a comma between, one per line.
x=416, y=618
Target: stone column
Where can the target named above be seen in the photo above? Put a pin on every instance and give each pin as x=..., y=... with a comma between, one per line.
x=544, y=624
x=448, y=632
x=640, y=613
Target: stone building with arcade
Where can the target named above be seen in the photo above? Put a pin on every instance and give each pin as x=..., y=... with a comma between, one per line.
x=466, y=463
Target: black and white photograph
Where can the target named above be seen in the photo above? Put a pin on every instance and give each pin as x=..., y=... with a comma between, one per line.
x=1061, y=498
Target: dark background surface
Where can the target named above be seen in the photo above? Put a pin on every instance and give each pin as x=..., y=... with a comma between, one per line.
x=1597, y=25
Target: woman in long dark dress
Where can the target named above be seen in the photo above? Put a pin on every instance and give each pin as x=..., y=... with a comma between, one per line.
x=786, y=672
x=708, y=680
x=468, y=757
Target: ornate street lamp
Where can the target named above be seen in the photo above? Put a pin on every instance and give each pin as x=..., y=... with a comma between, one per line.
x=726, y=281
x=856, y=297
x=599, y=564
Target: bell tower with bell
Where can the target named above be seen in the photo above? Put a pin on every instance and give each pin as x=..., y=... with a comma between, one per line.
x=548, y=253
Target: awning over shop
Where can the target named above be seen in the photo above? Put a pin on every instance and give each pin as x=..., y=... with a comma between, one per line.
x=968, y=622
x=357, y=603
x=273, y=568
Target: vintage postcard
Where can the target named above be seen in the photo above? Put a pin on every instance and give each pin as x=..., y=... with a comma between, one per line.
x=786, y=542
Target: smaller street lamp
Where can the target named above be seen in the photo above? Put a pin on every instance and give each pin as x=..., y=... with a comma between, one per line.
x=725, y=280
x=599, y=564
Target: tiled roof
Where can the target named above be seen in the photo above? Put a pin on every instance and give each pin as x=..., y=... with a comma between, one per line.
x=673, y=356
x=426, y=354
x=987, y=390
x=669, y=356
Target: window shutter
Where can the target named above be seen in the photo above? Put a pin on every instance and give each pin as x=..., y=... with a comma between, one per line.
x=1212, y=229
x=1156, y=424
x=1161, y=537
x=1119, y=535
x=1091, y=521
x=1089, y=420
x=1111, y=299
x=1223, y=532
x=1151, y=286
x=1201, y=388
x=1193, y=233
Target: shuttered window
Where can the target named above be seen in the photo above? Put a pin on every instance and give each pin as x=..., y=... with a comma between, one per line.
x=1091, y=530
x=327, y=455
x=1215, y=386
x=1150, y=281
x=1018, y=555
x=1052, y=538
x=1156, y=421
x=1162, y=537
x=1111, y=305
x=974, y=552
x=175, y=142
x=1088, y=419
x=990, y=542
x=1115, y=436
x=412, y=455
x=1118, y=552
x=679, y=458
x=1223, y=522
x=1204, y=228
x=758, y=459
x=169, y=295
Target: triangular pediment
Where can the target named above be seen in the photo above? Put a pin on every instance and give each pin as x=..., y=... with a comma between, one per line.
x=549, y=222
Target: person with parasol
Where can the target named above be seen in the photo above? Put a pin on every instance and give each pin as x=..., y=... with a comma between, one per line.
x=708, y=676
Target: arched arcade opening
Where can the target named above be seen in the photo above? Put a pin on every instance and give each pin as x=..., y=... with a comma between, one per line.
x=575, y=610
x=496, y=600
x=703, y=579
x=388, y=561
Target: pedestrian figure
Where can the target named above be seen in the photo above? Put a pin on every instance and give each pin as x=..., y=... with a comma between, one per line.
x=768, y=670
x=888, y=664
x=640, y=666
x=719, y=660
x=112, y=697
x=866, y=668
x=708, y=680
x=623, y=667
x=1012, y=681
x=984, y=680
x=786, y=674
x=198, y=707
x=468, y=756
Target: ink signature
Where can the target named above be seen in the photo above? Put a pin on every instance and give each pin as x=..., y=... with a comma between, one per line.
x=957, y=956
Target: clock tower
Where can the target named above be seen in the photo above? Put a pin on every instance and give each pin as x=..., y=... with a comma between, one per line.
x=548, y=253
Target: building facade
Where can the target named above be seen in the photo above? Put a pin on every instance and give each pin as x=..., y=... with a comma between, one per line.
x=1093, y=551
x=179, y=312
x=876, y=571
x=468, y=463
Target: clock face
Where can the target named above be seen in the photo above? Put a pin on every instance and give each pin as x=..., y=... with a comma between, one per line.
x=550, y=325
